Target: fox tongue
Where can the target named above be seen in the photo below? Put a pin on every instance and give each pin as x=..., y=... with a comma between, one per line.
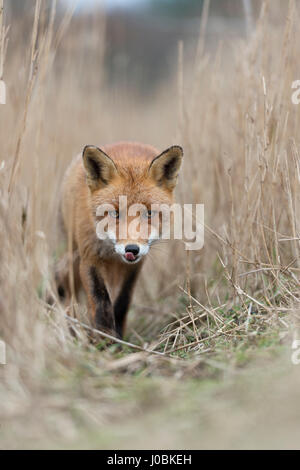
x=129, y=256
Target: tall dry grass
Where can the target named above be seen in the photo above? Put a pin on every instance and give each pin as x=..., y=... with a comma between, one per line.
x=232, y=113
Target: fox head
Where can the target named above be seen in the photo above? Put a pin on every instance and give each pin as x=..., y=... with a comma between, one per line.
x=125, y=196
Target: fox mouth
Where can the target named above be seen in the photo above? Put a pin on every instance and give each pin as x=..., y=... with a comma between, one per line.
x=131, y=258
x=131, y=253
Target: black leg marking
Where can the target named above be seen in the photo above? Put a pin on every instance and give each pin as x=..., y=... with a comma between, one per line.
x=61, y=292
x=123, y=301
x=104, y=309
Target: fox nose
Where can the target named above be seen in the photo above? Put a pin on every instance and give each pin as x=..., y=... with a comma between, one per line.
x=134, y=249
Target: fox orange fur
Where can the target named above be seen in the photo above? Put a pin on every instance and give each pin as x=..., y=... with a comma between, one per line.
x=108, y=268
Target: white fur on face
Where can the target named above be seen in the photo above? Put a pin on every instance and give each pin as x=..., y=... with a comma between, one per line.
x=107, y=245
x=111, y=236
x=143, y=250
x=154, y=235
x=120, y=249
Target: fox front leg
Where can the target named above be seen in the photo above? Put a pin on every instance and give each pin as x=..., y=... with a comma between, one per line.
x=122, y=303
x=99, y=303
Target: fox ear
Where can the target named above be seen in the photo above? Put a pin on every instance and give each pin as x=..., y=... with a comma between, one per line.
x=164, y=169
x=99, y=167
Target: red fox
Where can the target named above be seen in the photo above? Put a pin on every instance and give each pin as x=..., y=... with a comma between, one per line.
x=108, y=267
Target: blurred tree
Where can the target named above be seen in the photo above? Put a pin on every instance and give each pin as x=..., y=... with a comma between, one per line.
x=192, y=8
x=176, y=8
x=17, y=8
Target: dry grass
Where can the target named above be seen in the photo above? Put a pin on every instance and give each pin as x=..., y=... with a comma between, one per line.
x=208, y=313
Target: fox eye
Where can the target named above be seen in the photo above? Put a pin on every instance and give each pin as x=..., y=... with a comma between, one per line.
x=149, y=214
x=114, y=214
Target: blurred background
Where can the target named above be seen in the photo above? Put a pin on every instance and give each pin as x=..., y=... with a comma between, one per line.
x=142, y=36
